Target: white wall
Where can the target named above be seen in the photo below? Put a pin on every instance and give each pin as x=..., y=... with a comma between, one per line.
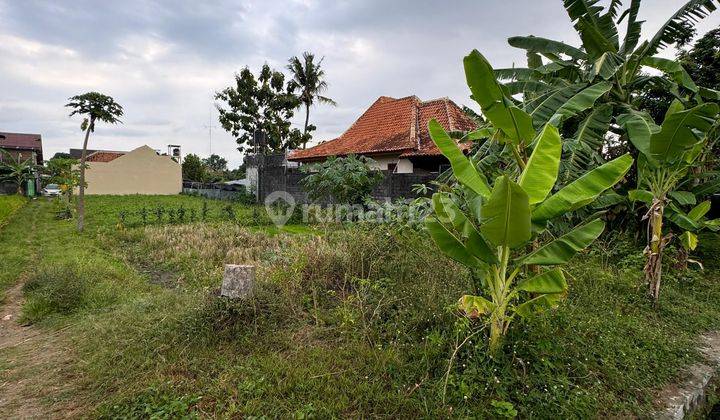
x=404, y=166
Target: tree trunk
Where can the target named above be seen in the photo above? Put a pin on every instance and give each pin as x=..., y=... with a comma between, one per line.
x=496, y=334
x=653, y=268
x=81, y=193
x=307, y=120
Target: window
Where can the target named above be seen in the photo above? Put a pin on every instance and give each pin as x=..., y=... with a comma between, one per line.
x=392, y=167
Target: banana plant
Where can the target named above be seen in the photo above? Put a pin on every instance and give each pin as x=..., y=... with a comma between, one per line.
x=489, y=228
x=666, y=155
x=584, y=89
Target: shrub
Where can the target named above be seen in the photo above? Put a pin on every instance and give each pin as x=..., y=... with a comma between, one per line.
x=348, y=180
x=65, y=288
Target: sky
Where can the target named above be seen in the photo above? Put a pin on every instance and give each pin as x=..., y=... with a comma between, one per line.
x=163, y=60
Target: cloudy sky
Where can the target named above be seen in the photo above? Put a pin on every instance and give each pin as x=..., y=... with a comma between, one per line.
x=163, y=60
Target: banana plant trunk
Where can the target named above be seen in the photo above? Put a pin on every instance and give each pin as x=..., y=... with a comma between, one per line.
x=81, y=192
x=653, y=268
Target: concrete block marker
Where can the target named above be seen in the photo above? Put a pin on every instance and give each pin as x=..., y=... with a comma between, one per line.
x=688, y=398
x=238, y=281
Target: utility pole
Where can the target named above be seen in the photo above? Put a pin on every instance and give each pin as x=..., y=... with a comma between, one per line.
x=210, y=127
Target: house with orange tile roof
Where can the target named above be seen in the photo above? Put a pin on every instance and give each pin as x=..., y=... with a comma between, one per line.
x=394, y=133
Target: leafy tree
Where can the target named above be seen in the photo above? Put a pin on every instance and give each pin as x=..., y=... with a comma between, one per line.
x=489, y=229
x=215, y=163
x=308, y=77
x=193, y=168
x=702, y=63
x=93, y=106
x=61, y=155
x=584, y=89
x=16, y=170
x=667, y=153
x=260, y=109
x=63, y=171
x=348, y=180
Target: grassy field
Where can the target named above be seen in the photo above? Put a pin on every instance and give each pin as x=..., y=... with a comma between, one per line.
x=8, y=205
x=353, y=322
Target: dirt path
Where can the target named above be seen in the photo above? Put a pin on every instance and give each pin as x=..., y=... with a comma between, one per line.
x=36, y=374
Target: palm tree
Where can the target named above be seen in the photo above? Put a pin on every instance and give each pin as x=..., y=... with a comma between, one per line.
x=95, y=107
x=308, y=76
x=16, y=170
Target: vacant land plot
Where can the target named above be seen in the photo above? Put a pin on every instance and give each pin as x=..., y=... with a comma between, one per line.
x=345, y=321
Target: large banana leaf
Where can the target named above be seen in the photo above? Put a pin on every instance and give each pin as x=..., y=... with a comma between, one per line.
x=607, y=65
x=545, y=107
x=515, y=123
x=541, y=170
x=565, y=247
x=450, y=244
x=674, y=69
x=585, y=147
x=580, y=102
x=684, y=198
x=506, y=214
x=699, y=211
x=677, y=133
x=640, y=128
x=516, y=73
x=583, y=190
x=544, y=45
x=464, y=171
x=689, y=13
x=449, y=212
x=551, y=281
x=539, y=304
x=634, y=27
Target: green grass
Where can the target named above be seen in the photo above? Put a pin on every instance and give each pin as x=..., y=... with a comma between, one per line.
x=9, y=204
x=350, y=323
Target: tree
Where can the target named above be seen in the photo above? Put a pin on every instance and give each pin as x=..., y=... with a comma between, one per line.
x=63, y=171
x=94, y=107
x=583, y=90
x=308, y=77
x=216, y=163
x=16, y=170
x=258, y=110
x=702, y=64
x=194, y=169
x=345, y=180
x=667, y=153
x=61, y=155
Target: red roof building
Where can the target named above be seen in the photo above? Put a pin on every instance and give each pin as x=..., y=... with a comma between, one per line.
x=394, y=133
x=22, y=146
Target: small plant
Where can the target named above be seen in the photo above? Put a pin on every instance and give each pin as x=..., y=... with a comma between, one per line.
x=159, y=212
x=229, y=212
x=192, y=214
x=122, y=218
x=143, y=215
x=171, y=216
x=181, y=212
x=504, y=409
x=204, y=211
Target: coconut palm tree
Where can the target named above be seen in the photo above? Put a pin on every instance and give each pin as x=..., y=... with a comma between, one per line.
x=94, y=107
x=308, y=76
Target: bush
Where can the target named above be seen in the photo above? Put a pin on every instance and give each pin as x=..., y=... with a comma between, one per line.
x=348, y=180
x=65, y=288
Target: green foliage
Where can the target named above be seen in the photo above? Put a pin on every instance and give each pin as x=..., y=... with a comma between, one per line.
x=95, y=107
x=344, y=180
x=485, y=232
x=15, y=170
x=9, y=204
x=154, y=404
x=193, y=168
x=260, y=108
x=309, y=78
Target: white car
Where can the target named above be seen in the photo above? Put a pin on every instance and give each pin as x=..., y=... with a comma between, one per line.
x=51, y=190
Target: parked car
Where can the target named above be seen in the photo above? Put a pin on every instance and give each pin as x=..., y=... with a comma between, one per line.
x=51, y=190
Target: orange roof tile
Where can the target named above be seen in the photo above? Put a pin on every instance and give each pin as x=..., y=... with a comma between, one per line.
x=393, y=125
x=102, y=156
